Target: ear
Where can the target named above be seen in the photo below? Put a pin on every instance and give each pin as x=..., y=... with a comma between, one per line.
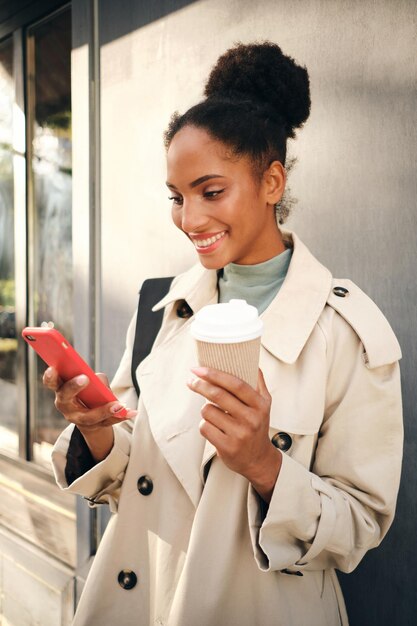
x=274, y=180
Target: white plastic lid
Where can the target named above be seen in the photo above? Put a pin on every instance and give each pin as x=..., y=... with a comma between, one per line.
x=227, y=322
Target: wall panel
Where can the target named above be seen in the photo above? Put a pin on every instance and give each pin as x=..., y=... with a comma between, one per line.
x=355, y=183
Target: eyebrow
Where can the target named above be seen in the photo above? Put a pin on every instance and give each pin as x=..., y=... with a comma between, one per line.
x=198, y=181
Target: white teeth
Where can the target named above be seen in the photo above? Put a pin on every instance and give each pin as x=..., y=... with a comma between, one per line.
x=205, y=243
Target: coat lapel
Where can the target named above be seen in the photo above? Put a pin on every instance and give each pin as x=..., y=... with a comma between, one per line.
x=173, y=410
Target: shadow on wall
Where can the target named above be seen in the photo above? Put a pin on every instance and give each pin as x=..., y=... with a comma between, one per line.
x=125, y=16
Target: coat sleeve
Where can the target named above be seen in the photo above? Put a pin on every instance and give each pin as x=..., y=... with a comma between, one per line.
x=101, y=484
x=328, y=516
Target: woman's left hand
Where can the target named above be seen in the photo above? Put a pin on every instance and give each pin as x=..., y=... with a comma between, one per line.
x=236, y=422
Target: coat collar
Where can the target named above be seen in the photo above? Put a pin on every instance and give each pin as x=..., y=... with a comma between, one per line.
x=291, y=316
x=198, y=286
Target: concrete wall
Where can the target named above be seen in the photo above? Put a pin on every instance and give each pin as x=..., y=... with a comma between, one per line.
x=355, y=182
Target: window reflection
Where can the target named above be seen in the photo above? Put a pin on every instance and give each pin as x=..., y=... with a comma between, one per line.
x=8, y=341
x=52, y=187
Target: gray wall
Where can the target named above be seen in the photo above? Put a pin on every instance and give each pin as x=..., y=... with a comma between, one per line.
x=355, y=181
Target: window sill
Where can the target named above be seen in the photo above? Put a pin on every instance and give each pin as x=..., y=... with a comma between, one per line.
x=35, y=509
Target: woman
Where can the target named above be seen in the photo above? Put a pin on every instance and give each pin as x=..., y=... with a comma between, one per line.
x=236, y=512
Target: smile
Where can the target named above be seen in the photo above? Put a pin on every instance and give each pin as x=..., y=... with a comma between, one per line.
x=209, y=243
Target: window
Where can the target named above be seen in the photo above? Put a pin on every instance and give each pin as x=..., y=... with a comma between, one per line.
x=8, y=341
x=30, y=432
x=36, y=280
x=50, y=222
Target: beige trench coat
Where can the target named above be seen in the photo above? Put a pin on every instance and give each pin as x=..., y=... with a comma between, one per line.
x=197, y=550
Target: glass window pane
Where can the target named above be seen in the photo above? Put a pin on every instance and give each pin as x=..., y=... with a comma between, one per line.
x=52, y=186
x=8, y=341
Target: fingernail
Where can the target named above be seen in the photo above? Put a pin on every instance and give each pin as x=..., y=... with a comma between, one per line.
x=48, y=374
x=81, y=380
x=191, y=382
x=199, y=371
x=116, y=408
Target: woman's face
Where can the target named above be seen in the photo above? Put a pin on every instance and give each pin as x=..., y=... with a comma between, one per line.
x=218, y=203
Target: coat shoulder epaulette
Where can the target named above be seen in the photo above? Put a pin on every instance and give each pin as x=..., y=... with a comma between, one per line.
x=367, y=320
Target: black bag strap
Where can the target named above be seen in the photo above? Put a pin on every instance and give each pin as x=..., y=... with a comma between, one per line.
x=148, y=322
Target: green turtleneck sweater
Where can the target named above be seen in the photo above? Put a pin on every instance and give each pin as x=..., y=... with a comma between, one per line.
x=257, y=284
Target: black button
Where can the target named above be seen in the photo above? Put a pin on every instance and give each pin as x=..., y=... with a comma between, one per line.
x=127, y=579
x=184, y=310
x=342, y=292
x=145, y=485
x=282, y=441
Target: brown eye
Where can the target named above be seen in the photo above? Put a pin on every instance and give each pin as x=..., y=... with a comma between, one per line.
x=175, y=199
x=210, y=195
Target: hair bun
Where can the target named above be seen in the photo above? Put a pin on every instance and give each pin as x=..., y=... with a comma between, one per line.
x=261, y=73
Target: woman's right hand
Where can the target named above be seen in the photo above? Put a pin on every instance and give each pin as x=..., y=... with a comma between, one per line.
x=94, y=424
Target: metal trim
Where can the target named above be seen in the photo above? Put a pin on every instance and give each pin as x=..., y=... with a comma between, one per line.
x=95, y=188
x=30, y=210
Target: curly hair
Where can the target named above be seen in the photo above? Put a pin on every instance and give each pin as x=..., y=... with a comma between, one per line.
x=256, y=97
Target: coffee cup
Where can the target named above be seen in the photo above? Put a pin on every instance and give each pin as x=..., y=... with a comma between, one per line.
x=228, y=338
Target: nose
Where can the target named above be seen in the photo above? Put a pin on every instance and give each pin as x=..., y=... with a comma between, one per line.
x=192, y=217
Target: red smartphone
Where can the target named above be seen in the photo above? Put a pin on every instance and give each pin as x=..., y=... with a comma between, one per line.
x=56, y=351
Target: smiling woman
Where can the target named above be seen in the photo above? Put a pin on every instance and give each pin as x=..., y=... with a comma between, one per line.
x=254, y=496
x=229, y=216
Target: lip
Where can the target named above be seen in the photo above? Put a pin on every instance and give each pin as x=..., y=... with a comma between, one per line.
x=212, y=247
